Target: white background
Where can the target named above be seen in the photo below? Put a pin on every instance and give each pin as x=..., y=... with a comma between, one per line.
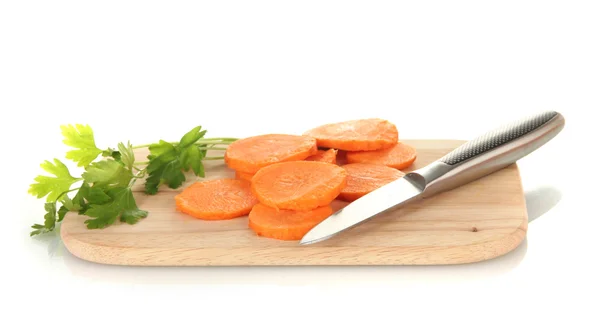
x=147, y=70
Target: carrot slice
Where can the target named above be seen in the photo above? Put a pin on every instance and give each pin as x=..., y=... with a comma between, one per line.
x=399, y=156
x=250, y=154
x=329, y=156
x=298, y=185
x=285, y=224
x=217, y=199
x=243, y=176
x=356, y=135
x=364, y=178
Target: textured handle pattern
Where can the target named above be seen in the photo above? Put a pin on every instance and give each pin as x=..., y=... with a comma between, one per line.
x=497, y=137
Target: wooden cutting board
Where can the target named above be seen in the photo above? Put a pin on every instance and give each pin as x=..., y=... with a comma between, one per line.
x=482, y=220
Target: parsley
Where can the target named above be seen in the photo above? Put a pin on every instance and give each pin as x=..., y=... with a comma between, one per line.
x=49, y=220
x=105, y=194
x=108, y=173
x=82, y=138
x=122, y=204
x=67, y=206
x=167, y=161
x=52, y=187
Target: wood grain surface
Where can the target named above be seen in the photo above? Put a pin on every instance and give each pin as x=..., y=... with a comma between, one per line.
x=481, y=220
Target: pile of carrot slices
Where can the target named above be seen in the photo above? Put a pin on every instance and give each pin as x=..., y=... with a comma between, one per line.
x=285, y=183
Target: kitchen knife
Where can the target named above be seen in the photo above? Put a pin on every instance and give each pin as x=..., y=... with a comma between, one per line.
x=477, y=158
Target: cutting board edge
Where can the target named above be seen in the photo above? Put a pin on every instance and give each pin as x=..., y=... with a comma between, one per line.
x=486, y=250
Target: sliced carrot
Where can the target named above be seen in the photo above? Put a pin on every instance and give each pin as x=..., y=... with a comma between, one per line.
x=243, y=176
x=250, y=154
x=399, y=156
x=298, y=185
x=364, y=178
x=356, y=135
x=329, y=156
x=285, y=224
x=217, y=199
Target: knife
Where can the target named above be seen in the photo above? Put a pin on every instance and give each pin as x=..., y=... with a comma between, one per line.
x=477, y=158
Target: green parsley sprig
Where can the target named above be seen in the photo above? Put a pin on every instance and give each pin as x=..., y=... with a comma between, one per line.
x=103, y=190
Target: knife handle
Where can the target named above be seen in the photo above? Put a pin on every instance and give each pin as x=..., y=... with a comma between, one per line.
x=488, y=153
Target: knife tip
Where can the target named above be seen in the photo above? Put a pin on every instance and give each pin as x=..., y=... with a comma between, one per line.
x=305, y=241
x=308, y=241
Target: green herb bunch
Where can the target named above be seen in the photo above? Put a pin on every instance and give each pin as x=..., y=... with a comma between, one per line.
x=103, y=192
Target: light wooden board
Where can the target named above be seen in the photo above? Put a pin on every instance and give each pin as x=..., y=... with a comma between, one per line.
x=482, y=220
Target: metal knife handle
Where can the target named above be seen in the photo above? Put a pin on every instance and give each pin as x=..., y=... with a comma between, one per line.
x=489, y=152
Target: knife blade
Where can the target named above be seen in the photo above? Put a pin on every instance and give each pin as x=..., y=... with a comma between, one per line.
x=477, y=158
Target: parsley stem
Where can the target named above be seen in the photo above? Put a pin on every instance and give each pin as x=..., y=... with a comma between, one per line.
x=65, y=192
x=226, y=139
x=140, y=174
x=206, y=158
x=213, y=148
x=213, y=158
x=202, y=141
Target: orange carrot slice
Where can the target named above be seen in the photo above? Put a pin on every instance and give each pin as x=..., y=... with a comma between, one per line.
x=356, y=135
x=329, y=156
x=285, y=224
x=243, y=176
x=217, y=199
x=399, y=156
x=298, y=185
x=364, y=178
x=250, y=154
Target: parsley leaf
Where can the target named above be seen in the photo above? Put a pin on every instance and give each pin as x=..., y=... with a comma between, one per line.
x=164, y=167
x=191, y=137
x=53, y=187
x=131, y=214
x=104, y=214
x=162, y=149
x=122, y=204
x=82, y=138
x=192, y=158
x=62, y=212
x=87, y=195
x=126, y=155
x=112, y=153
x=67, y=205
x=165, y=172
x=190, y=154
x=97, y=196
x=49, y=220
x=167, y=162
x=80, y=197
x=107, y=173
